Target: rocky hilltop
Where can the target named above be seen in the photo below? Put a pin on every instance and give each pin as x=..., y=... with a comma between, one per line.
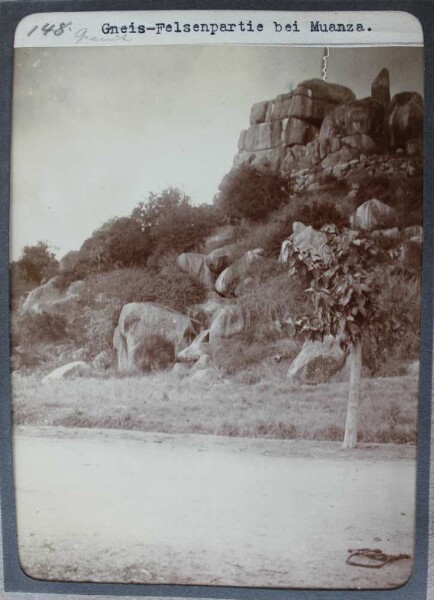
x=321, y=126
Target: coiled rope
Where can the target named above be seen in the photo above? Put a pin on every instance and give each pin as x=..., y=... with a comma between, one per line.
x=377, y=557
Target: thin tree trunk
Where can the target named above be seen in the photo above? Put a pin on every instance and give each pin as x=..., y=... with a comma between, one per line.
x=350, y=439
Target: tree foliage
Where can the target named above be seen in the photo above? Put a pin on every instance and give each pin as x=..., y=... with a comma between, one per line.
x=37, y=263
x=172, y=223
x=341, y=284
x=251, y=194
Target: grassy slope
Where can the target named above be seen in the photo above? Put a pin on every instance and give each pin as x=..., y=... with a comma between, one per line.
x=270, y=408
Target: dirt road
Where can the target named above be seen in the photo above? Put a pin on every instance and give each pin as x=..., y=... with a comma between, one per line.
x=99, y=505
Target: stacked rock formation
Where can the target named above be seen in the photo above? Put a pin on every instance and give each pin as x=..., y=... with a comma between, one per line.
x=323, y=125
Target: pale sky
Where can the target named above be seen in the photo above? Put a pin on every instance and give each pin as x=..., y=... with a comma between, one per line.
x=96, y=129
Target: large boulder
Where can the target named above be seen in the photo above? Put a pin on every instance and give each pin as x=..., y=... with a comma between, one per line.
x=47, y=298
x=317, y=362
x=195, y=265
x=403, y=123
x=310, y=101
x=305, y=239
x=199, y=347
x=149, y=336
x=359, y=116
x=73, y=369
x=372, y=214
x=380, y=88
x=228, y=321
x=220, y=258
x=228, y=279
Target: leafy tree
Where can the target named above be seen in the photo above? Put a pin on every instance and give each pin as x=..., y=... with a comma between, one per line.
x=37, y=263
x=172, y=223
x=345, y=303
x=249, y=193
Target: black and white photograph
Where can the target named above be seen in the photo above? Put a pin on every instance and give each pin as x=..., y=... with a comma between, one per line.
x=215, y=268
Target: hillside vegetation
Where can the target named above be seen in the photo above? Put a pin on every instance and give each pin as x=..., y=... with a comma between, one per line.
x=230, y=294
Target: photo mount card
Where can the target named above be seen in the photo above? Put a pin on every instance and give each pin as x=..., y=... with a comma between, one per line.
x=220, y=307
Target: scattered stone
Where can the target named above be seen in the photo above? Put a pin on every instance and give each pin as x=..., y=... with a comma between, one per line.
x=204, y=362
x=104, y=360
x=413, y=231
x=372, y=214
x=228, y=321
x=199, y=347
x=317, y=362
x=392, y=233
x=220, y=258
x=73, y=369
x=196, y=266
x=307, y=239
x=228, y=279
x=181, y=369
x=209, y=375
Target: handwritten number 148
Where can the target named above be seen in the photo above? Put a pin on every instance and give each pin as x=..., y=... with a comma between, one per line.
x=51, y=28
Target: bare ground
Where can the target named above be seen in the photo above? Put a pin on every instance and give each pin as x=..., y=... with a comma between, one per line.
x=126, y=506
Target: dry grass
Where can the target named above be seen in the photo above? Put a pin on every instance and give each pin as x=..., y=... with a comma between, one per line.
x=270, y=408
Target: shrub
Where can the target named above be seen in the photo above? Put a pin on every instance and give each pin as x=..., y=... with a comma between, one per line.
x=168, y=286
x=248, y=193
x=386, y=349
x=172, y=224
x=38, y=327
x=271, y=299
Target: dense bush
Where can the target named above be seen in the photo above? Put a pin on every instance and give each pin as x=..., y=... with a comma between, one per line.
x=34, y=328
x=248, y=193
x=36, y=264
x=325, y=207
x=167, y=223
x=387, y=348
x=168, y=286
x=172, y=224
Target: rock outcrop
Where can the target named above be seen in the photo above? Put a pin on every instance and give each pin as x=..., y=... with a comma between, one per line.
x=323, y=125
x=372, y=214
x=291, y=119
x=149, y=336
x=317, y=362
x=380, y=88
x=403, y=125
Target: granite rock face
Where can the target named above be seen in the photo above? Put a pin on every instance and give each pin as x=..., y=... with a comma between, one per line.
x=321, y=124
